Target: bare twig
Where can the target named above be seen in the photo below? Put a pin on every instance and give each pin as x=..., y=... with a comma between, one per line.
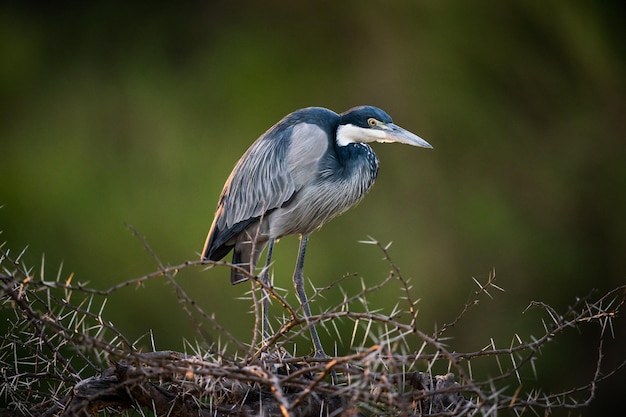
x=60, y=356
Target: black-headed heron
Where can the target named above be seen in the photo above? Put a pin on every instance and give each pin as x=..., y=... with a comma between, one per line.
x=311, y=166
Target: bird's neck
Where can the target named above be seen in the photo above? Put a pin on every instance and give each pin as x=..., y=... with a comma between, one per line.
x=359, y=162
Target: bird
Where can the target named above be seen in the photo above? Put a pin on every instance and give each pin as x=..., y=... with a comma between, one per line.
x=311, y=166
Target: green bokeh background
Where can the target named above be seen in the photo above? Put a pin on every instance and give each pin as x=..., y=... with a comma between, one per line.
x=116, y=113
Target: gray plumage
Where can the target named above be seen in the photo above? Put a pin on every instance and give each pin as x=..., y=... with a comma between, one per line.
x=311, y=166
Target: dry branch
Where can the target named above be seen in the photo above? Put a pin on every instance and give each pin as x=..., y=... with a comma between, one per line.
x=60, y=356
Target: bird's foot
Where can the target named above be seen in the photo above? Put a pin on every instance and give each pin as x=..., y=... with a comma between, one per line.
x=320, y=354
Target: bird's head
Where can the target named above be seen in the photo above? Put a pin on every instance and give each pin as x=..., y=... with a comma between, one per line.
x=370, y=124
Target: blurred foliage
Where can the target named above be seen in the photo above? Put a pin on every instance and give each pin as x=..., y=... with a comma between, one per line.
x=116, y=112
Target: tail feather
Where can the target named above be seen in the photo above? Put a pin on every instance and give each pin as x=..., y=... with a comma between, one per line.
x=220, y=240
x=245, y=238
x=212, y=251
x=246, y=255
x=238, y=259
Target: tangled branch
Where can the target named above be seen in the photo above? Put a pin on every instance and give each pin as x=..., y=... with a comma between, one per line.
x=60, y=356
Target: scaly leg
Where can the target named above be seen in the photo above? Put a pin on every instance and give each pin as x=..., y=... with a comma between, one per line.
x=298, y=281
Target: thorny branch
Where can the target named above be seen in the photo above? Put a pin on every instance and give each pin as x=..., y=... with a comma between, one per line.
x=60, y=356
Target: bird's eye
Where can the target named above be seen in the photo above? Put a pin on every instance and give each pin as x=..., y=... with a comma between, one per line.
x=372, y=122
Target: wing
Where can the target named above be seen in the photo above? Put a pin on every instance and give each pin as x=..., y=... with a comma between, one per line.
x=270, y=172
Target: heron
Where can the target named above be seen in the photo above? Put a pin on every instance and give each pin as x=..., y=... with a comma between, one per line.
x=310, y=167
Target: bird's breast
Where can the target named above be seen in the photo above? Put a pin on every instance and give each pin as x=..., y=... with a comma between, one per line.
x=342, y=181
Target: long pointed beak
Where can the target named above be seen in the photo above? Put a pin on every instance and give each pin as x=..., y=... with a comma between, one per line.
x=394, y=133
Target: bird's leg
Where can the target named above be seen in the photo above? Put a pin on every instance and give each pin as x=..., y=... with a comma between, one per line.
x=265, y=279
x=298, y=281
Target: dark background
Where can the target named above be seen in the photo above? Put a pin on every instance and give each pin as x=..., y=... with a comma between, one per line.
x=115, y=113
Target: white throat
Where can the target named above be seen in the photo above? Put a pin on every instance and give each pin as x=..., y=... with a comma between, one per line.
x=347, y=134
